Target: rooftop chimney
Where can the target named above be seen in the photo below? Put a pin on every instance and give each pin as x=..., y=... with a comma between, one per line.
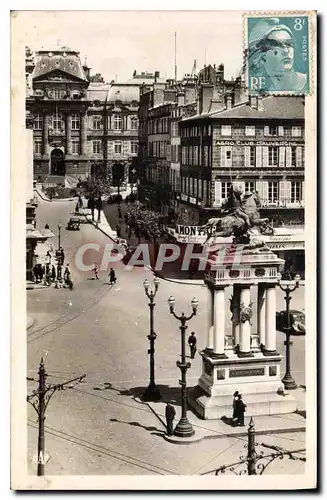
x=229, y=101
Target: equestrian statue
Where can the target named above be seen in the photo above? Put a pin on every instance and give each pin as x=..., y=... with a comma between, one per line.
x=241, y=218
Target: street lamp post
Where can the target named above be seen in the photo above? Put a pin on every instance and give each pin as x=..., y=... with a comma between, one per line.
x=288, y=381
x=184, y=427
x=152, y=392
x=59, y=229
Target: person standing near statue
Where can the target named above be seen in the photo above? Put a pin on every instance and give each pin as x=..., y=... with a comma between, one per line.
x=170, y=413
x=235, y=396
x=192, y=343
x=240, y=409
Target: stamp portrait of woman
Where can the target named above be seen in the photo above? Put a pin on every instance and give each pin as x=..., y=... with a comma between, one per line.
x=272, y=57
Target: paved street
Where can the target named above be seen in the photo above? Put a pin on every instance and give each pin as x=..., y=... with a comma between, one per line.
x=99, y=427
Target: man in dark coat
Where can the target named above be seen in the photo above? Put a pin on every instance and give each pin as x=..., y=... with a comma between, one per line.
x=240, y=410
x=192, y=343
x=170, y=415
x=235, y=396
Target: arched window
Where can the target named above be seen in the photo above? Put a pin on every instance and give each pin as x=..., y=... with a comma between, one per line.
x=134, y=123
x=38, y=122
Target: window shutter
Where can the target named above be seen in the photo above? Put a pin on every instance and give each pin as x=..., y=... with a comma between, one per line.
x=287, y=191
x=265, y=156
x=266, y=130
x=200, y=188
x=258, y=156
x=223, y=155
x=299, y=156
x=205, y=199
x=265, y=190
x=282, y=156
x=303, y=194
x=247, y=156
x=217, y=193
x=282, y=190
x=288, y=156
x=259, y=188
x=280, y=130
x=195, y=187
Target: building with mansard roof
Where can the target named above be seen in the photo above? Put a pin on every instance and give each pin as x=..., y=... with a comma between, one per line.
x=82, y=125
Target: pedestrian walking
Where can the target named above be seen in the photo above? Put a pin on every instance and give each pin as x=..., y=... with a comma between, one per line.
x=235, y=396
x=96, y=271
x=80, y=201
x=59, y=271
x=67, y=277
x=112, y=276
x=118, y=230
x=192, y=343
x=61, y=255
x=240, y=410
x=53, y=273
x=77, y=208
x=170, y=413
x=47, y=262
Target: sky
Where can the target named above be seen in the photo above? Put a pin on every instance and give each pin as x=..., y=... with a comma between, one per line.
x=115, y=43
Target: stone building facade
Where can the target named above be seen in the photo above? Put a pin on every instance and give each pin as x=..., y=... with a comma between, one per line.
x=82, y=125
x=258, y=144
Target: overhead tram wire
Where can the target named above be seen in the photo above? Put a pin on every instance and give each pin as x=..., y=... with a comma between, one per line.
x=63, y=323
x=67, y=313
x=105, y=451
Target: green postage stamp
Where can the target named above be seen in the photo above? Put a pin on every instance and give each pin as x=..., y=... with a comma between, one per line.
x=277, y=49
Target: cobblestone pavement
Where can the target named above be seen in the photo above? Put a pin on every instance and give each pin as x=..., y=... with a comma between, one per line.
x=99, y=426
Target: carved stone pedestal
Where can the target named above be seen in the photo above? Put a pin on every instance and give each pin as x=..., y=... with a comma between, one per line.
x=256, y=378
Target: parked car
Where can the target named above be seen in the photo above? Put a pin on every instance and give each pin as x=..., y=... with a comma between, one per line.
x=73, y=224
x=297, y=320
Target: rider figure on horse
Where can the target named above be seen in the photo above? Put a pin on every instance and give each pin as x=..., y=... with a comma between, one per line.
x=234, y=205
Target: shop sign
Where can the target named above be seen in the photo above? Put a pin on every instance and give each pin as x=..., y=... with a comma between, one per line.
x=257, y=143
x=192, y=234
x=184, y=197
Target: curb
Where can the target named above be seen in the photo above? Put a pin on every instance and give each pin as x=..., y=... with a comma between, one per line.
x=42, y=196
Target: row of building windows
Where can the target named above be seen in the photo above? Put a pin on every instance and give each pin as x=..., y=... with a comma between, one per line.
x=159, y=149
x=159, y=126
x=57, y=122
x=249, y=156
x=249, y=131
x=96, y=146
x=271, y=192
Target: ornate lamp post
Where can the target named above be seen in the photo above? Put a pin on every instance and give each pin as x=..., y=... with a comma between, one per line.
x=152, y=392
x=288, y=381
x=184, y=427
x=59, y=229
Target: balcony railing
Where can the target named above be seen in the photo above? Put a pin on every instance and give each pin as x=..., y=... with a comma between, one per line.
x=56, y=132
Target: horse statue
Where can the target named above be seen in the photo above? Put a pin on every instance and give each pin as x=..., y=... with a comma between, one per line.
x=241, y=218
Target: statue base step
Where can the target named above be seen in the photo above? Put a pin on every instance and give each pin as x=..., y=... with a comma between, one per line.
x=215, y=407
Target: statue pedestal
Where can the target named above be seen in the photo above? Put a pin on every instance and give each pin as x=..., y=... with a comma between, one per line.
x=257, y=378
x=248, y=362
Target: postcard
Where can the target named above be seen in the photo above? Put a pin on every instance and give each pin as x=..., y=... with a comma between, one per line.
x=164, y=180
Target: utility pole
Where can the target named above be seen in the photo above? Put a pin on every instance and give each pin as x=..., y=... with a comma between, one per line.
x=39, y=399
x=175, y=57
